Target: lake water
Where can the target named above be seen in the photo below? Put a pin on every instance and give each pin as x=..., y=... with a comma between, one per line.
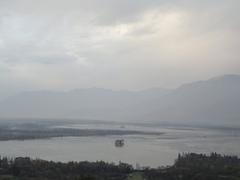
x=146, y=150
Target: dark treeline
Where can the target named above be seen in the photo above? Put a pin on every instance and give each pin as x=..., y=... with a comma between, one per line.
x=26, y=168
x=191, y=166
x=188, y=166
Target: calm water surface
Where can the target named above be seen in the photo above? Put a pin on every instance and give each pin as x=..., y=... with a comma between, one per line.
x=145, y=150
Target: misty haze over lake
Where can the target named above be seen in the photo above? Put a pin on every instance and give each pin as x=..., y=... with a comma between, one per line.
x=156, y=124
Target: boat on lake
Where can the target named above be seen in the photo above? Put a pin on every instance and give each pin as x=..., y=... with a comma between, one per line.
x=119, y=143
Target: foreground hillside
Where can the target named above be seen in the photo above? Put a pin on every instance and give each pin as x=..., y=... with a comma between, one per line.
x=187, y=167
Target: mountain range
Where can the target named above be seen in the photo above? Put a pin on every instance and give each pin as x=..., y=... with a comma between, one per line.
x=215, y=101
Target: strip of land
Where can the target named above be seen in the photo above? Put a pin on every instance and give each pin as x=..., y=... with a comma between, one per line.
x=43, y=131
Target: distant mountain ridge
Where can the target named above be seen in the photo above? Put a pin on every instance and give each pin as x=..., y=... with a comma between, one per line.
x=214, y=101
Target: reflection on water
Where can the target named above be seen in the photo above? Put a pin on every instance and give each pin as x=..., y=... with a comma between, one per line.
x=142, y=149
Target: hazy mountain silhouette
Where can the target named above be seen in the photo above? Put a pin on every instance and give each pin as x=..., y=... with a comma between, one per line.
x=215, y=101
x=93, y=103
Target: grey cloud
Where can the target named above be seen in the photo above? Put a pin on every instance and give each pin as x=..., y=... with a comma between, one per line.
x=116, y=44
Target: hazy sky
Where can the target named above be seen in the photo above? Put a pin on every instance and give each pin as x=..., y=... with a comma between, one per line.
x=119, y=44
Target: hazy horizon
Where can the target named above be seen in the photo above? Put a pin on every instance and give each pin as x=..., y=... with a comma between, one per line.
x=9, y=94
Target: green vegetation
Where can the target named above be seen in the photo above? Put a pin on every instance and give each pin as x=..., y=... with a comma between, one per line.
x=192, y=166
x=135, y=176
x=187, y=167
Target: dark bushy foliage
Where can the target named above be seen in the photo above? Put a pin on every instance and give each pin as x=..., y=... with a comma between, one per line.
x=188, y=166
x=193, y=166
x=25, y=168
